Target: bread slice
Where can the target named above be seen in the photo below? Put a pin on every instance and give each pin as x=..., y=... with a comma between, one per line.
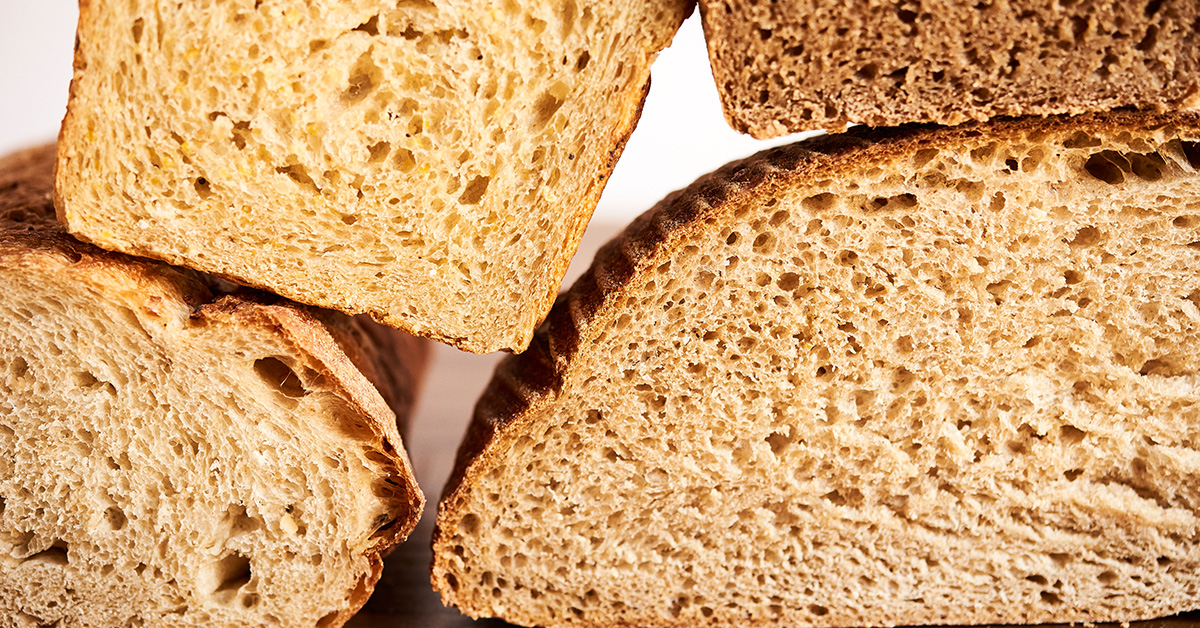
x=172, y=456
x=796, y=65
x=915, y=376
x=432, y=163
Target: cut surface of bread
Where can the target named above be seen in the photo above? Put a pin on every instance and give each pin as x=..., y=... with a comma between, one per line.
x=172, y=456
x=797, y=65
x=432, y=163
x=904, y=377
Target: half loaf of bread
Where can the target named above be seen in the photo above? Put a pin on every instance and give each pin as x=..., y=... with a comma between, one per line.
x=795, y=65
x=432, y=163
x=918, y=376
x=172, y=456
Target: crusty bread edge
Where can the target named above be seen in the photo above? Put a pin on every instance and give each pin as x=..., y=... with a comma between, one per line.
x=379, y=395
x=524, y=384
x=299, y=328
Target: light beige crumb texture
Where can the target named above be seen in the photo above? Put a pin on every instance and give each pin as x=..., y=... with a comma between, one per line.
x=793, y=65
x=942, y=376
x=171, y=457
x=430, y=163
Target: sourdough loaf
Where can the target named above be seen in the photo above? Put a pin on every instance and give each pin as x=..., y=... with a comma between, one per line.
x=174, y=456
x=432, y=163
x=796, y=65
x=896, y=377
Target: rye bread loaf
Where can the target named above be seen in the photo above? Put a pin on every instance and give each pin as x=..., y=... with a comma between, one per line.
x=432, y=163
x=796, y=65
x=174, y=456
x=895, y=377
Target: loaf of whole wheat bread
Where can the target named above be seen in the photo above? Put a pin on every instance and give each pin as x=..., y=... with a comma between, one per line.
x=893, y=377
x=174, y=456
x=432, y=163
x=794, y=65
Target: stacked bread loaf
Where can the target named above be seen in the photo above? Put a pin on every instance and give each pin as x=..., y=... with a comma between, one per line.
x=898, y=375
x=180, y=452
x=890, y=376
x=186, y=451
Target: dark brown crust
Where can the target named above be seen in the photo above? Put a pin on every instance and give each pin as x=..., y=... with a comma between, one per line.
x=377, y=370
x=580, y=220
x=620, y=138
x=525, y=383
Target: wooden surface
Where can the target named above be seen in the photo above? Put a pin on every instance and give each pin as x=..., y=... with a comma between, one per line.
x=404, y=598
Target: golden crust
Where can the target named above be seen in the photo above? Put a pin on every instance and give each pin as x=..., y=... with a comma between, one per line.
x=524, y=384
x=376, y=370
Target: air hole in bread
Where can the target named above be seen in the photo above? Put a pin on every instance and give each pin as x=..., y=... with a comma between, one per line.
x=868, y=71
x=232, y=573
x=239, y=522
x=1191, y=152
x=1086, y=236
x=138, y=26
x=378, y=152
x=365, y=76
x=239, y=134
x=1162, y=366
x=18, y=368
x=84, y=379
x=203, y=187
x=1103, y=167
x=298, y=173
x=1071, y=435
x=474, y=191
x=115, y=518
x=280, y=376
x=56, y=554
x=546, y=106
x=1148, y=166
x=370, y=27
x=1050, y=597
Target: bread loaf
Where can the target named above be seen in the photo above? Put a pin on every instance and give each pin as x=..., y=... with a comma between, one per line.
x=174, y=456
x=432, y=163
x=796, y=65
x=902, y=377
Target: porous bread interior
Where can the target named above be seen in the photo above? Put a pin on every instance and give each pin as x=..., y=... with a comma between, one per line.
x=432, y=163
x=167, y=469
x=959, y=386
x=946, y=61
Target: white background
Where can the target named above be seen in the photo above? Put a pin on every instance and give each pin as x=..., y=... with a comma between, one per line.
x=682, y=134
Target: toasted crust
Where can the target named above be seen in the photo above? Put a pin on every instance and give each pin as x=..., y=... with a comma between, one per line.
x=376, y=371
x=525, y=384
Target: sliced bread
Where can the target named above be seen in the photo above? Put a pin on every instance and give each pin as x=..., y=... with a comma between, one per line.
x=174, y=456
x=432, y=163
x=904, y=377
x=797, y=65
